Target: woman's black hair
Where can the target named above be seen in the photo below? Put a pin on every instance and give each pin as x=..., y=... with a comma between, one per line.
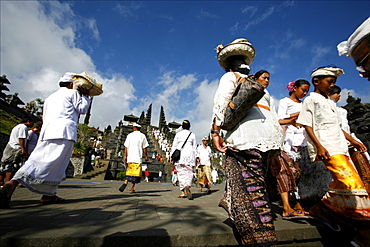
x=259, y=73
x=186, y=125
x=64, y=84
x=234, y=62
x=335, y=89
x=299, y=83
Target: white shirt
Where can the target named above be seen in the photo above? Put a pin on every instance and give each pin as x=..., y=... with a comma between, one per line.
x=61, y=113
x=259, y=129
x=343, y=114
x=204, y=154
x=135, y=143
x=188, y=151
x=321, y=114
x=20, y=131
x=32, y=141
x=294, y=137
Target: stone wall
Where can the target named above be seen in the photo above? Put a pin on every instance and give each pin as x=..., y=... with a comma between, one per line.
x=359, y=119
x=78, y=166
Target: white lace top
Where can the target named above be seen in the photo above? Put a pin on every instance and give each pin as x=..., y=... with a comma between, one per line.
x=294, y=137
x=259, y=129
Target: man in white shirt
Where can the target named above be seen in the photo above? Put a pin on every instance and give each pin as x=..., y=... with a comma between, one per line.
x=135, y=145
x=204, y=161
x=45, y=168
x=15, y=150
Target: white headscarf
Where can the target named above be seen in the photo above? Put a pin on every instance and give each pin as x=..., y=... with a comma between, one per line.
x=346, y=47
x=327, y=71
x=67, y=77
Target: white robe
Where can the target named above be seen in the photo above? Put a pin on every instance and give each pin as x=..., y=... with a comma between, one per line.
x=45, y=168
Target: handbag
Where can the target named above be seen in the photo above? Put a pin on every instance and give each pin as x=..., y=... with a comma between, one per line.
x=177, y=153
x=247, y=93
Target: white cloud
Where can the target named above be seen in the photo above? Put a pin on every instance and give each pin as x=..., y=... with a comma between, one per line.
x=37, y=48
x=319, y=52
x=365, y=96
x=127, y=9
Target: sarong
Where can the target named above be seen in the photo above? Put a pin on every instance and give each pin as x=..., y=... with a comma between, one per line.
x=46, y=166
x=363, y=167
x=12, y=160
x=184, y=175
x=134, y=172
x=245, y=197
x=204, y=176
x=286, y=173
x=347, y=194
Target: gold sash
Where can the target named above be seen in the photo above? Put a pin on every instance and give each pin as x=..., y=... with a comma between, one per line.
x=346, y=178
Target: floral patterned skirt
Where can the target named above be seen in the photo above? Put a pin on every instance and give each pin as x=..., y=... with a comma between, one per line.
x=245, y=197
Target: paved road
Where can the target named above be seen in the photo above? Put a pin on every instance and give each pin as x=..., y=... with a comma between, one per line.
x=97, y=214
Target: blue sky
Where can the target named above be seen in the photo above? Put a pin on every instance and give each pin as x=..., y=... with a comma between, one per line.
x=163, y=52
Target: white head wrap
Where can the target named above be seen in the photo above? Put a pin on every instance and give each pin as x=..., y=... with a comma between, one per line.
x=327, y=71
x=346, y=47
x=67, y=77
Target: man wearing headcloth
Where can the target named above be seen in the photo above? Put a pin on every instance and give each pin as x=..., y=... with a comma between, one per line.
x=346, y=199
x=135, y=146
x=358, y=47
x=46, y=166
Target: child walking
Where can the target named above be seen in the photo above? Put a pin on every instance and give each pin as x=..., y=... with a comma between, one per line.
x=346, y=198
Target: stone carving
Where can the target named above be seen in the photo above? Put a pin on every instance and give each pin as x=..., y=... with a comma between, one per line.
x=359, y=119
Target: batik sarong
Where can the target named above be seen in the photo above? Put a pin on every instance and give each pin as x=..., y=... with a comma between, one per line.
x=134, y=172
x=245, y=197
x=363, y=167
x=12, y=160
x=204, y=176
x=185, y=175
x=346, y=194
x=286, y=173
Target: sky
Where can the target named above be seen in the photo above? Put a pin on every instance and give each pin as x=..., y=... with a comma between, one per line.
x=163, y=52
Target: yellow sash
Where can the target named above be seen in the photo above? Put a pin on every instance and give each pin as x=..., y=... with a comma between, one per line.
x=346, y=178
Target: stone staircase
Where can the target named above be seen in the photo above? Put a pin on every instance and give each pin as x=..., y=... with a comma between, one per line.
x=98, y=172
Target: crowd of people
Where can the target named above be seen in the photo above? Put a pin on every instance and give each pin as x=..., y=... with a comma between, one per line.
x=303, y=148
x=306, y=149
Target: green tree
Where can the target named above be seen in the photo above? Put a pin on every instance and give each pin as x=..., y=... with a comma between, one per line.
x=84, y=133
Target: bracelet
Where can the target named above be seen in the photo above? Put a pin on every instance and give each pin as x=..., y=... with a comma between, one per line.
x=215, y=132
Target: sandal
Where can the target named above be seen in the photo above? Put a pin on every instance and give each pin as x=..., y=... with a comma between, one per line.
x=189, y=195
x=181, y=196
x=123, y=187
x=132, y=191
x=52, y=200
x=293, y=215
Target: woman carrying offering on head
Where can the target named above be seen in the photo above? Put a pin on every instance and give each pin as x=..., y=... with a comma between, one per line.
x=248, y=147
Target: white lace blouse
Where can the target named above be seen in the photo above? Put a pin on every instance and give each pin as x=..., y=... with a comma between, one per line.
x=259, y=129
x=294, y=137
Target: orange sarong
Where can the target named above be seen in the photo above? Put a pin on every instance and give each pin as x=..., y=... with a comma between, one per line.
x=347, y=194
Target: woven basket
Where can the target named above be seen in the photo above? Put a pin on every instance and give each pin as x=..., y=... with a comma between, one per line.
x=84, y=80
x=240, y=47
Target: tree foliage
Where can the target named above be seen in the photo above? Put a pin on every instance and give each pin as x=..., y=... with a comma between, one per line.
x=84, y=133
